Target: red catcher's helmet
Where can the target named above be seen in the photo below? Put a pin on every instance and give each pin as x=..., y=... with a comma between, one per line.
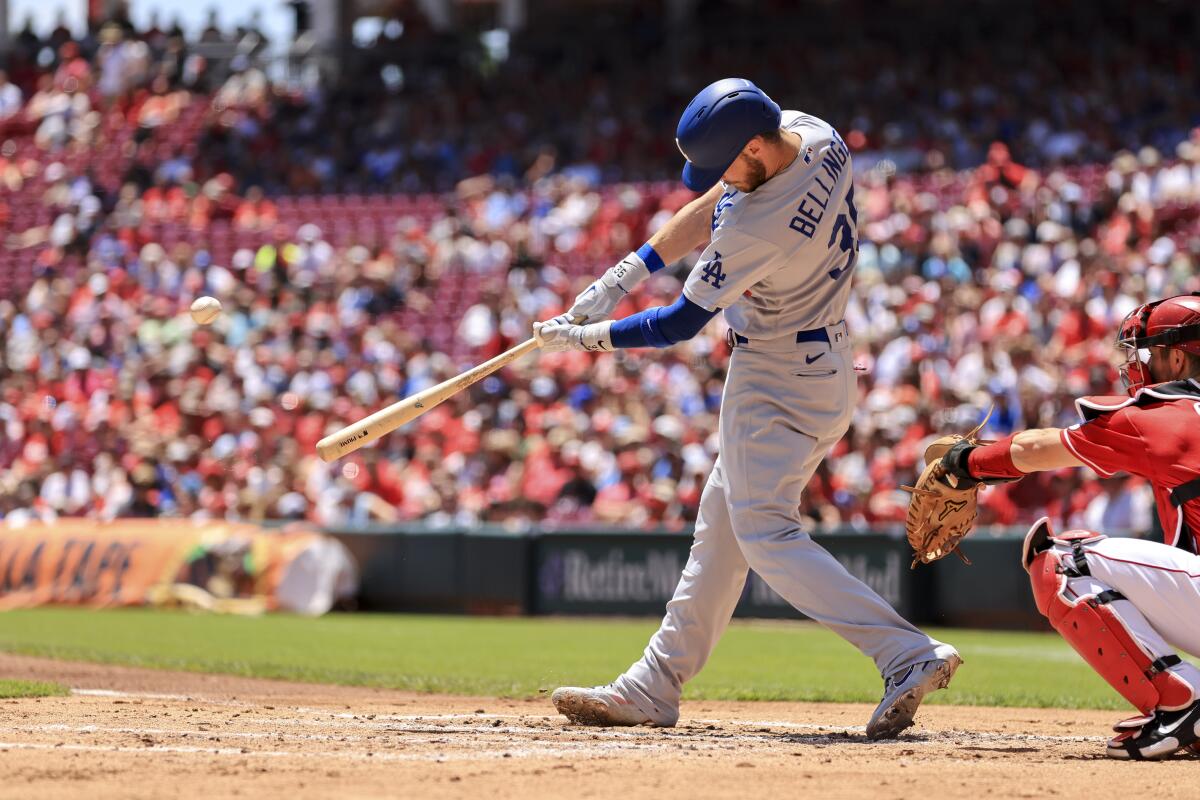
x=1173, y=322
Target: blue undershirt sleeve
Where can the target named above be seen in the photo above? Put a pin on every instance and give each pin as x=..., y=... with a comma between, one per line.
x=661, y=326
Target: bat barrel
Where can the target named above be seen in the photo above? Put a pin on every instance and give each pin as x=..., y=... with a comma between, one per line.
x=386, y=420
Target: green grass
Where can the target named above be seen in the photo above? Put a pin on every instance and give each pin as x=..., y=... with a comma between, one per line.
x=31, y=689
x=520, y=656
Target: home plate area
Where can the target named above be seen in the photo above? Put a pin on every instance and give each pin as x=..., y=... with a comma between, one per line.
x=136, y=733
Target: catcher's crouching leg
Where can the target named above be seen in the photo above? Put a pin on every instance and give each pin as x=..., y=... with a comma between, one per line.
x=1101, y=625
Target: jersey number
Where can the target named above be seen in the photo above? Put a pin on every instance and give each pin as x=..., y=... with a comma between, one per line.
x=845, y=234
x=712, y=272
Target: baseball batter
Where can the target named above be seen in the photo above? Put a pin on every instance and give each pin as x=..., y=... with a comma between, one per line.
x=779, y=228
x=1126, y=605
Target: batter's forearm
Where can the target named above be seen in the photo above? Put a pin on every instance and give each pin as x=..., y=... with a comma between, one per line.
x=690, y=228
x=661, y=326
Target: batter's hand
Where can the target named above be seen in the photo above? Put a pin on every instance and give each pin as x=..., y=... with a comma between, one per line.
x=554, y=336
x=596, y=302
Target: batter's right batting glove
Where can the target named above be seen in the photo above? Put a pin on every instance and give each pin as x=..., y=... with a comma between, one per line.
x=554, y=337
x=596, y=302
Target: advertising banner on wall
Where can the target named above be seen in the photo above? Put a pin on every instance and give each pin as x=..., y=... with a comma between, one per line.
x=635, y=574
x=213, y=565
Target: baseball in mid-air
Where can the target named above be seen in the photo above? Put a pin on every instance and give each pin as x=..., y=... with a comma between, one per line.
x=205, y=309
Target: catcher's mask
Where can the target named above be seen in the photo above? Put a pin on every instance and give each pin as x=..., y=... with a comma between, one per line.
x=1171, y=322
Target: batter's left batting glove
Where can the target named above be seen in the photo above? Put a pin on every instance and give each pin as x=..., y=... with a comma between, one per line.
x=554, y=336
x=599, y=299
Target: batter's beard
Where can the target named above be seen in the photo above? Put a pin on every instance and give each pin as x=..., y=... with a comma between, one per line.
x=757, y=176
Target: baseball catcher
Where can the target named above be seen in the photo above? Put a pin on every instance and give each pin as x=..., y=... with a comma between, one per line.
x=1126, y=605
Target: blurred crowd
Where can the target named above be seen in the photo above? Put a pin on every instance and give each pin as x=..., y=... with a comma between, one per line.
x=915, y=86
x=417, y=110
x=1000, y=284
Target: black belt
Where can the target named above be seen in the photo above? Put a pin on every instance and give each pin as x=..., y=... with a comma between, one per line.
x=814, y=335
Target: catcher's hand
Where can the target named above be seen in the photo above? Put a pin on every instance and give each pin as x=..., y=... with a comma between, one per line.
x=944, y=505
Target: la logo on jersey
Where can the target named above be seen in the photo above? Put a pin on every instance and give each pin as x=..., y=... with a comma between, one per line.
x=712, y=273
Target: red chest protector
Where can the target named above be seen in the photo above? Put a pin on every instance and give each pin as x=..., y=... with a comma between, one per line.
x=1180, y=392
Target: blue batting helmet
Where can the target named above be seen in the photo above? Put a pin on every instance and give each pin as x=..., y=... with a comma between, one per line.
x=716, y=126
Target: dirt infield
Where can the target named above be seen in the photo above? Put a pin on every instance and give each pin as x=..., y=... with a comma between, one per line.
x=144, y=733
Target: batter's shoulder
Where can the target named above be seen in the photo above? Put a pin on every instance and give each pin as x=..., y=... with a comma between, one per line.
x=807, y=125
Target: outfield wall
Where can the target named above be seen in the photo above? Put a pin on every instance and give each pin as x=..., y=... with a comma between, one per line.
x=634, y=574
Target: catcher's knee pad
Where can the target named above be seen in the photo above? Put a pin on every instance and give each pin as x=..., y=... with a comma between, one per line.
x=1094, y=626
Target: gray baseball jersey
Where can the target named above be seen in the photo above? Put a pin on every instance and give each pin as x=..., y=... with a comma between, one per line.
x=780, y=261
x=781, y=256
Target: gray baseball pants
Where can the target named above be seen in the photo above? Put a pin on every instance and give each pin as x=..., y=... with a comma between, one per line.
x=785, y=404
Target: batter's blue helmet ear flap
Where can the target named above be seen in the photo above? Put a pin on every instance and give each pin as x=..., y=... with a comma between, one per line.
x=716, y=126
x=699, y=179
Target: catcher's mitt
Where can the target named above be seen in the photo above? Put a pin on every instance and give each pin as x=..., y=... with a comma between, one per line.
x=942, y=508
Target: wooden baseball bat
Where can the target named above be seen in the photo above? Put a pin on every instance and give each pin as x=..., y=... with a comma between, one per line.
x=386, y=420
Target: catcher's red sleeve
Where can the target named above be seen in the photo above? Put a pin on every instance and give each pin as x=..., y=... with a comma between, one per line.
x=1110, y=443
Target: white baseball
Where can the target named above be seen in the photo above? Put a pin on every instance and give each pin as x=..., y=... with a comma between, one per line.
x=205, y=310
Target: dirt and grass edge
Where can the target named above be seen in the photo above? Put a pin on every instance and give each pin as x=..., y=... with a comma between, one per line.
x=15, y=688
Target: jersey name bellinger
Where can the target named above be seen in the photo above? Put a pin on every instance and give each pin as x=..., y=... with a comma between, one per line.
x=809, y=214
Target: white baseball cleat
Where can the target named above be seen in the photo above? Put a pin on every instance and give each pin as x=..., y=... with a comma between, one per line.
x=601, y=706
x=903, y=692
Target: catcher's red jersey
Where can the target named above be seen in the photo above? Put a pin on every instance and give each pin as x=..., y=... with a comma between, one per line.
x=1155, y=435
